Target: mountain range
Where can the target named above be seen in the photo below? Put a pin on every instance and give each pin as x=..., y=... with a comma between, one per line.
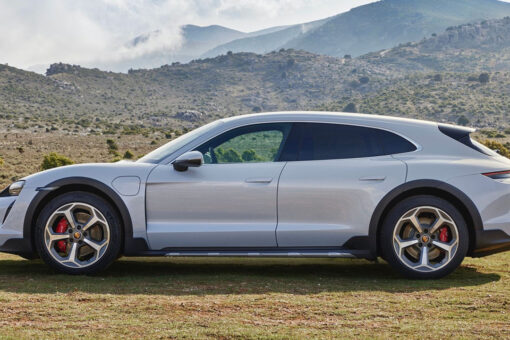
x=376, y=26
x=461, y=72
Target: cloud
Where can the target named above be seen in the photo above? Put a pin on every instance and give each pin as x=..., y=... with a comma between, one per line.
x=89, y=32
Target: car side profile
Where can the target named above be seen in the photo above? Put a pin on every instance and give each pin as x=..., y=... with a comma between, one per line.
x=419, y=194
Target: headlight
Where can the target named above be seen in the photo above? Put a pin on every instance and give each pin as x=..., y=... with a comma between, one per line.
x=16, y=187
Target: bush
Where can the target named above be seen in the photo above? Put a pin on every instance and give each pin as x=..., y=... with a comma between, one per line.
x=128, y=155
x=112, y=146
x=500, y=148
x=364, y=80
x=484, y=78
x=54, y=160
x=463, y=120
x=351, y=107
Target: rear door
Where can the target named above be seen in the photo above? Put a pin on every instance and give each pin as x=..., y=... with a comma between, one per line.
x=334, y=177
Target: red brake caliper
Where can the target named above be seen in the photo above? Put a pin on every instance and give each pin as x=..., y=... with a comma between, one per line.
x=62, y=228
x=443, y=235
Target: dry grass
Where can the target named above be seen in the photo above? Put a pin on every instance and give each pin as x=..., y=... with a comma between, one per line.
x=253, y=298
x=80, y=148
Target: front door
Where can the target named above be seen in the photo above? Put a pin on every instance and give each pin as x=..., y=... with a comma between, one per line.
x=229, y=202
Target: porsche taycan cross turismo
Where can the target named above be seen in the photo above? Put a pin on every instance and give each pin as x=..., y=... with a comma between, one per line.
x=419, y=194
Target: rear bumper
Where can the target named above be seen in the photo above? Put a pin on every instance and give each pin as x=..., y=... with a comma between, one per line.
x=490, y=242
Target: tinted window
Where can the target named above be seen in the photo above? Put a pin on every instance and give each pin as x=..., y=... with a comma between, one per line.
x=254, y=143
x=315, y=141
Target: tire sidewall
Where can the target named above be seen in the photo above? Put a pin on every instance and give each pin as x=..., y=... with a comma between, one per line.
x=113, y=248
x=390, y=223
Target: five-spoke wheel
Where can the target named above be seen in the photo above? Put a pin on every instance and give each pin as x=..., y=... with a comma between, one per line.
x=78, y=233
x=424, y=237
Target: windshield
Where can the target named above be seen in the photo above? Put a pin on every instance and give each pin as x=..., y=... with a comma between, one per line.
x=166, y=150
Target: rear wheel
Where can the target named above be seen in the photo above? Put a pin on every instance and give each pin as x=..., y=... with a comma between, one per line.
x=424, y=237
x=78, y=233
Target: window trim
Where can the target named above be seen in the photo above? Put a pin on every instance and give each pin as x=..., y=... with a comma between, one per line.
x=193, y=145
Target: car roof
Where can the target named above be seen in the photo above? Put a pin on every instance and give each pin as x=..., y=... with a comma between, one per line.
x=336, y=116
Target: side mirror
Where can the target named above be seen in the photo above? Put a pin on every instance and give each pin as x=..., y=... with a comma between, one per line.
x=192, y=159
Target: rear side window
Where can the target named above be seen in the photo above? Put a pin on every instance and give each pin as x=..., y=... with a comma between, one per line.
x=321, y=141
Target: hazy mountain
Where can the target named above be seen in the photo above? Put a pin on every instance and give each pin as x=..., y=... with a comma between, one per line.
x=372, y=27
x=436, y=78
x=388, y=23
x=264, y=43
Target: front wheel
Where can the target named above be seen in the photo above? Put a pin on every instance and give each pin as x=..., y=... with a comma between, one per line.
x=78, y=233
x=424, y=237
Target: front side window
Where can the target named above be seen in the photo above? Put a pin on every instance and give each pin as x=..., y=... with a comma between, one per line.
x=321, y=141
x=248, y=144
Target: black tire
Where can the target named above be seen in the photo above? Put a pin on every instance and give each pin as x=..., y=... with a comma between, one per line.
x=115, y=232
x=390, y=224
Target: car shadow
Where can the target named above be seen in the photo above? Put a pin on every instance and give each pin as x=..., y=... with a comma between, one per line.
x=153, y=276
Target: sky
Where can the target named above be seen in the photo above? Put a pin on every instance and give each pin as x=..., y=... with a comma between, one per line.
x=40, y=32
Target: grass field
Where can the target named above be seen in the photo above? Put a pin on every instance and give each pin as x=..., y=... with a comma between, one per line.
x=253, y=298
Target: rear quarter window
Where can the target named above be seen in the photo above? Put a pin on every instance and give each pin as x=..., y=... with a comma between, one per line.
x=322, y=141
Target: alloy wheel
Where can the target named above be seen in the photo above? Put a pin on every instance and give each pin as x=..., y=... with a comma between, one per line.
x=77, y=235
x=425, y=239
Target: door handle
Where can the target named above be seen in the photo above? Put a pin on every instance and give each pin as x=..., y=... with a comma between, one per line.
x=262, y=180
x=373, y=178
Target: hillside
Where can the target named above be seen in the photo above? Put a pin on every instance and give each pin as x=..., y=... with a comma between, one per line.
x=482, y=46
x=387, y=23
x=79, y=100
x=372, y=27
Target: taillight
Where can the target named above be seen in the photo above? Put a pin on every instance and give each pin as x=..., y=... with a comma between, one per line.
x=498, y=174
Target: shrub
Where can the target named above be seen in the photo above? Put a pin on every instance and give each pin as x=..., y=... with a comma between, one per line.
x=112, y=146
x=484, y=78
x=463, y=120
x=364, y=80
x=251, y=156
x=351, y=107
x=128, y=155
x=228, y=156
x=1, y=161
x=500, y=148
x=54, y=160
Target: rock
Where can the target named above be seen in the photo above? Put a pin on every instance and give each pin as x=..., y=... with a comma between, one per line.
x=190, y=115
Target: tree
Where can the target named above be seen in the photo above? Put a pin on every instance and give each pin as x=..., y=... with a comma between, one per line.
x=54, y=160
x=228, y=156
x=351, y=107
x=251, y=156
x=484, y=78
x=463, y=120
x=438, y=77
